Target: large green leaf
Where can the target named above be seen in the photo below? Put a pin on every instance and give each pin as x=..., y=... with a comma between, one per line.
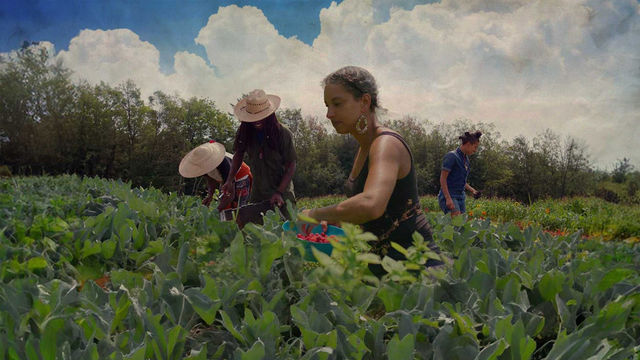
x=90, y=248
x=228, y=324
x=239, y=255
x=137, y=354
x=268, y=253
x=450, y=346
x=30, y=349
x=108, y=248
x=125, y=231
x=176, y=338
x=36, y=263
x=198, y=354
x=139, y=236
x=521, y=346
x=50, y=336
x=121, y=310
x=391, y=297
x=182, y=259
x=401, y=349
x=613, y=277
x=156, y=336
x=551, y=284
x=206, y=307
x=256, y=352
x=493, y=350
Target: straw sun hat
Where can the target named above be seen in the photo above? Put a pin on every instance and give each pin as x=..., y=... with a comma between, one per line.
x=204, y=159
x=256, y=106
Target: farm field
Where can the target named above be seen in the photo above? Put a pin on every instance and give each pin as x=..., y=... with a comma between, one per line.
x=593, y=217
x=96, y=269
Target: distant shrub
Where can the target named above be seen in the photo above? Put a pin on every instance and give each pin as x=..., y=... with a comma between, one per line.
x=607, y=195
x=632, y=187
x=4, y=171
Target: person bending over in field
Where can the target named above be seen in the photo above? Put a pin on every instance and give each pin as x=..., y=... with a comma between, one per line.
x=453, y=177
x=211, y=161
x=269, y=147
x=382, y=189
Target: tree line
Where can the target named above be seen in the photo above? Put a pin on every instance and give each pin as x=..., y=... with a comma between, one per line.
x=51, y=125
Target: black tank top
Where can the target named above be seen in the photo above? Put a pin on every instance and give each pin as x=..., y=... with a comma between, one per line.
x=402, y=216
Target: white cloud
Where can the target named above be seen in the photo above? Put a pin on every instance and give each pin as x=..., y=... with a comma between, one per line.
x=113, y=56
x=193, y=77
x=249, y=53
x=572, y=66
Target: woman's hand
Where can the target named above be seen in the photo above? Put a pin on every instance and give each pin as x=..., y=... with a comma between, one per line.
x=211, y=189
x=450, y=204
x=306, y=227
x=307, y=213
x=206, y=201
x=224, y=201
x=228, y=188
x=276, y=199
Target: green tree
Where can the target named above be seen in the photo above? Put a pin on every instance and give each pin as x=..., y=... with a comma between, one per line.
x=203, y=121
x=549, y=149
x=574, y=168
x=57, y=128
x=318, y=170
x=528, y=179
x=21, y=105
x=95, y=131
x=491, y=170
x=130, y=119
x=621, y=169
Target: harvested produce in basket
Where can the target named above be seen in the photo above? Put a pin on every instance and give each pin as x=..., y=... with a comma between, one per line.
x=316, y=237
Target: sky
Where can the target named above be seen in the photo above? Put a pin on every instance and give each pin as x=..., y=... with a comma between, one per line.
x=571, y=66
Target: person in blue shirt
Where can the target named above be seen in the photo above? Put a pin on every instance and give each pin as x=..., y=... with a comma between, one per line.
x=453, y=177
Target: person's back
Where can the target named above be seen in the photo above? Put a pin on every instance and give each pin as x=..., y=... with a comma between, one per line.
x=211, y=161
x=457, y=163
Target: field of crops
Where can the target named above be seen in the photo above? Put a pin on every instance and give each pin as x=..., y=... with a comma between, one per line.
x=592, y=216
x=95, y=269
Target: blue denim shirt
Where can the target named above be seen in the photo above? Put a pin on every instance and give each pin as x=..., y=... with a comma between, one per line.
x=457, y=163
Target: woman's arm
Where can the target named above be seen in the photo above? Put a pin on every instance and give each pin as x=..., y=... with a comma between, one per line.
x=388, y=161
x=288, y=175
x=211, y=188
x=284, y=183
x=229, y=185
x=444, y=174
x=469, y=188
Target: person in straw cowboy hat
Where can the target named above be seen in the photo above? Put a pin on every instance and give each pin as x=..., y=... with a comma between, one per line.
x=214, y=163
x=269, y=148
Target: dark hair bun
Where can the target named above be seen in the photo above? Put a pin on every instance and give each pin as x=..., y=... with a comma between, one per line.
x=472, y=138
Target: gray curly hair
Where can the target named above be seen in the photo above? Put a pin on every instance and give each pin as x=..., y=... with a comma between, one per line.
x=357, y=81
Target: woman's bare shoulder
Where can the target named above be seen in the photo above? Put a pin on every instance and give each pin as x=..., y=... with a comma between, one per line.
x=386, y=142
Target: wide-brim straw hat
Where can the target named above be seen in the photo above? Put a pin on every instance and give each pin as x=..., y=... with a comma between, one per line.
x=256, y=106
x=202, y=159
x=215, y=173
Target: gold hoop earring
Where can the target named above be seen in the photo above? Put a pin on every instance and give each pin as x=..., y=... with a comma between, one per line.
x=361, y=124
